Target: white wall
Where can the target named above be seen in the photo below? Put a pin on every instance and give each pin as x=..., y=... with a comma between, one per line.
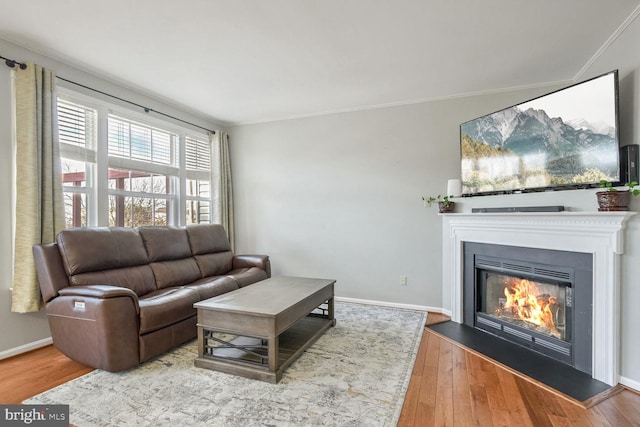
x=22, y=332
x=624, y=54
x=338, y=196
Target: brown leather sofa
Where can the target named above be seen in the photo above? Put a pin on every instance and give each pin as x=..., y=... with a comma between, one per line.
x=116, y=297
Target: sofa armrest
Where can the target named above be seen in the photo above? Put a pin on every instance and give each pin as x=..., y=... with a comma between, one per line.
x=51, y=274
x=98, y=325
x=101, y=292
x=247, y=261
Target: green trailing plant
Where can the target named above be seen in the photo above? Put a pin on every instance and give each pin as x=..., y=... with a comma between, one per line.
x=444, y=200
x=631, y=186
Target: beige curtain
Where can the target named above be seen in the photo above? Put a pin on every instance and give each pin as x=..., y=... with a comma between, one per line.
x=223, y=197
x=39, y=203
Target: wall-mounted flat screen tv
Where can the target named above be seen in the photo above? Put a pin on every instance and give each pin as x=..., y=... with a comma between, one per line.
x=566, y=139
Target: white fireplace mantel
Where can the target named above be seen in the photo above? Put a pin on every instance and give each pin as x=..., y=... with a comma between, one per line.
x=598, y=233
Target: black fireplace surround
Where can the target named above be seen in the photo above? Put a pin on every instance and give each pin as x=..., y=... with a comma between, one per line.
x=493, y=277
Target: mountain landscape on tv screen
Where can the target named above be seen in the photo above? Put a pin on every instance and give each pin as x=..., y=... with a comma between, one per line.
x=573, y=152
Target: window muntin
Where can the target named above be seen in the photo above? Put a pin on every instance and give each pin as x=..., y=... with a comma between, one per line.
x=74, y=173
x=75, y=209
x=127, y=211
x=198, y=201
x=74, y=184
x=142, y=182
x=140, y=198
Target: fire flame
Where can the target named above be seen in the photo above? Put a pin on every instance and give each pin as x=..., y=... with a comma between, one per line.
x=524, y=302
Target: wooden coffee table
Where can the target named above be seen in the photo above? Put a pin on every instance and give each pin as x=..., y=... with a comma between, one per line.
x=259, y=330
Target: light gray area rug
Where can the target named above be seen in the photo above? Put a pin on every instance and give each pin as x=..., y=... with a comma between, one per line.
x=356, y=374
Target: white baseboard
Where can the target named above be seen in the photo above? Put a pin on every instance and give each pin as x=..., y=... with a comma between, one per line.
x=635, y=385
x=391, y=304
x=24, y=348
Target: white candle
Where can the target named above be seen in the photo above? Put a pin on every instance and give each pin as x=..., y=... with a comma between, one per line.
x=454, y=187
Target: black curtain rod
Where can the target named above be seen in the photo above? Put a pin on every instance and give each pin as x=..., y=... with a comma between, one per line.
x=11, y=63
x=146, y=109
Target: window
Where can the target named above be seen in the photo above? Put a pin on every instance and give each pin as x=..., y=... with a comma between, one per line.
x=132, y=140
x=139, y=198
x=78, y=136
x=144, y=172
x=135, y=174
x=198, y=184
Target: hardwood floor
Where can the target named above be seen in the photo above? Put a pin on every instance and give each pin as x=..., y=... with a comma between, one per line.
x=31, y=373
x=449, y=387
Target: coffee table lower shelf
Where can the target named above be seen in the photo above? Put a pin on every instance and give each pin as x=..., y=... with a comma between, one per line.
x=248, y=356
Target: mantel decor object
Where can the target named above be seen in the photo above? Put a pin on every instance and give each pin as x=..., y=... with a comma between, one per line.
x=444, y=204
x=612, y=199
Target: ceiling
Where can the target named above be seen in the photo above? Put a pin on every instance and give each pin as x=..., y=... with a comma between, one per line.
x=249, y=61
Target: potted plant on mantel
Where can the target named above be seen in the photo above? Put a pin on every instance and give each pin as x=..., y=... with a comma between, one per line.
x=612, y=199
x=444, y=204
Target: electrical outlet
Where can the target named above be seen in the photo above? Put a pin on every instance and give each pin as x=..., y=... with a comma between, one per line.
x=403, y=280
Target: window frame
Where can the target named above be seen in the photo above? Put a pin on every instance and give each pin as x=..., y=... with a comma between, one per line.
x=98, y=162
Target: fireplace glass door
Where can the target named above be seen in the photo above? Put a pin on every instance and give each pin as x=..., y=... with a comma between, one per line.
x=538, y=299
x=533, y=305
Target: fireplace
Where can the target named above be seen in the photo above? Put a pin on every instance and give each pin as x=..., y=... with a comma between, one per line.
x=599, y=234
x=540, y=299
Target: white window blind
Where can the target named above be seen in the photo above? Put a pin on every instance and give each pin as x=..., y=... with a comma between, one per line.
x=137, y=141
x=76, y=124
x=198, y=154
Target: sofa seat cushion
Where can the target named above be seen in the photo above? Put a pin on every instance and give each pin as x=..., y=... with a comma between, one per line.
x=247, y=276
x=165, y=307
x=210, y=287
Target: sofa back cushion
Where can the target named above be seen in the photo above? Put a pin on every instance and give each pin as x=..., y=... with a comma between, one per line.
x=176, y=272
x=211, y=249
x=106, y=256
x=215, y=264
x=164, y=243
x=207, y=238
x=170, y=255
x=139, y=279
x=100, y=248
